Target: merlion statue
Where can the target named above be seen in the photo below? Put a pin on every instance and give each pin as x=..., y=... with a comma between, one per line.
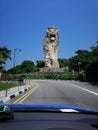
x=51, y=48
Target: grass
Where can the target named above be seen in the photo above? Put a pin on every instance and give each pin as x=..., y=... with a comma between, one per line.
x=4, y=86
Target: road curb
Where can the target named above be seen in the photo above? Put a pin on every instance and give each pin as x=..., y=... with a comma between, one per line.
x=13, y=95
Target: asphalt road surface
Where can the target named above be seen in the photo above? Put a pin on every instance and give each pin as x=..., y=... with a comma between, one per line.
x=61, y=92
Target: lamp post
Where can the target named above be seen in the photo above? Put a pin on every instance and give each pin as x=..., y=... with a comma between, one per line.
x=79, y=63
x=14, y=59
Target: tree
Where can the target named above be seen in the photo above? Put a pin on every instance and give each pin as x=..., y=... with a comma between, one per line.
x=80, y=60
x=92, y=72
x=92, y=68
x=27, y=66
x=94, y=51
x=73, y=63
x=63, y=63
x=40, y=64
x=5, y=54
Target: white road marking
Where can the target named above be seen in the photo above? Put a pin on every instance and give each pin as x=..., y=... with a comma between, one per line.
x=85, y=89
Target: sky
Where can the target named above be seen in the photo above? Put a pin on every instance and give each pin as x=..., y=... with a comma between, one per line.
x=23, y=25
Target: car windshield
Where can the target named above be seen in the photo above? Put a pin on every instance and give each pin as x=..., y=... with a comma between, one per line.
x=49, y=53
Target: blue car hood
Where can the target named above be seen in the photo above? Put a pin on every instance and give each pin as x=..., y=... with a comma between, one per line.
x=64, y=108
x=51, y=107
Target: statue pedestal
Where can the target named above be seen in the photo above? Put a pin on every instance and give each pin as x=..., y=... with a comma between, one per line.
x=59, y=70
x=44, y=70
x=54, y=70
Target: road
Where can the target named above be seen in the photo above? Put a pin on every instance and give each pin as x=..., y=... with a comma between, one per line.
x=61, y=92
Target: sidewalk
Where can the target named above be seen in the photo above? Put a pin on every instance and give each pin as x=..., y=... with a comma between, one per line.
x=8, y=94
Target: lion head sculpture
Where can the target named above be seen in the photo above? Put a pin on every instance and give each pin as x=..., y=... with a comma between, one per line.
x=51, y=48
x=52, y=34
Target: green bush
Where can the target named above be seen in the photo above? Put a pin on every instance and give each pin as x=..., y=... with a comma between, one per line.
x=55, y=76
x=6, y=85
x=92, y=72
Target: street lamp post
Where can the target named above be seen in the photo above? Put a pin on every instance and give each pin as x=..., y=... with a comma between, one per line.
x=79, y=63
x=15, y=57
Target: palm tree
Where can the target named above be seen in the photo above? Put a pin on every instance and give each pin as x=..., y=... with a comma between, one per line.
x=5, y=54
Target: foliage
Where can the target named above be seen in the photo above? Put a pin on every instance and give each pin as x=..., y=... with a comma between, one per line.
x=7, y=85
x=4, y=55
x=92, y=72
x=86, y=63
x=53, y=76
x=26, y=66
x=92, y=68
x=7, y=76
x=40, y=64
x=63, y=63
x=80, y=60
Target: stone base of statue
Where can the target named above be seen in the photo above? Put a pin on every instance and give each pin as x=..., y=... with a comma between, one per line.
x=52, y=70
x=44, y=70
x=57, y=70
